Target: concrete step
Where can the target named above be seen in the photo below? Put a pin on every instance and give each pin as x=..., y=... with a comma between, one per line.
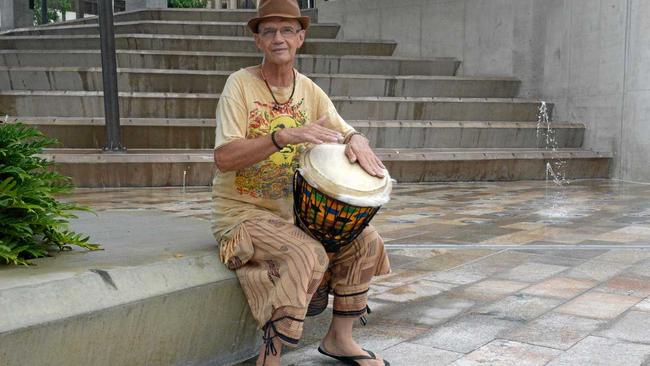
x=468, y=134
x=153, y=168
x=177, y=105
x=143, y=133
x=168, y=42
x=192, y=15
x=438, y=165
x=229, y=61
x=187, y=28
x=199, y=81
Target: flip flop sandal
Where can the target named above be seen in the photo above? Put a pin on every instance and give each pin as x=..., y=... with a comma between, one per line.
x=351, y=360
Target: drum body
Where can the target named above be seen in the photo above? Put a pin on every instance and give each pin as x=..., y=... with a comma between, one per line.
x=334, y=200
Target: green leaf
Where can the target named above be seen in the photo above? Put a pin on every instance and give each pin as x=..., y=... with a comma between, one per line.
x=32, y=220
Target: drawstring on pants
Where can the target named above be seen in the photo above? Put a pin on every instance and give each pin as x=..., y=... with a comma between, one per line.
x=363, y=318
x=267, y=338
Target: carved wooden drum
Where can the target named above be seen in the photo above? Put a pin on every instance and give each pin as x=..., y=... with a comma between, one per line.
x=334, y=200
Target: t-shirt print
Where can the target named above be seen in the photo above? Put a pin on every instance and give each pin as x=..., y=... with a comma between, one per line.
x=272, y=178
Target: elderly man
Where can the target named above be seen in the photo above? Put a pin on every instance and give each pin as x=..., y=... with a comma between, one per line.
x=265, y=115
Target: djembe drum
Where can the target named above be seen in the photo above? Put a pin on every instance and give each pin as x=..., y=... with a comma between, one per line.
x=334, y=200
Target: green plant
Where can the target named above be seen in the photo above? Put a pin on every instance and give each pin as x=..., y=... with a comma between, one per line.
x=32, y=220
x=187, y=3
x=53, y=9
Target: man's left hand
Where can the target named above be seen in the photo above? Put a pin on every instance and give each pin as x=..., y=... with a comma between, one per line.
x=358, y=150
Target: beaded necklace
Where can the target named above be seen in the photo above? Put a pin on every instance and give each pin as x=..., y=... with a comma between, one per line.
x=278, y=105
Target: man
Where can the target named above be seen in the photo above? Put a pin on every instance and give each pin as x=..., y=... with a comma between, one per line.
x=265, y=115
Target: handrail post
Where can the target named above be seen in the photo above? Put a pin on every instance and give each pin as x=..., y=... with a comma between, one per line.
x=44, y=19
x=109, y=76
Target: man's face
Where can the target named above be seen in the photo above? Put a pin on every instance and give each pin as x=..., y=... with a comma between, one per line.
x=279, y=39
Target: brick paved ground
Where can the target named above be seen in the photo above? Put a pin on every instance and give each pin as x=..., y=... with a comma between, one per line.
x=515, y=273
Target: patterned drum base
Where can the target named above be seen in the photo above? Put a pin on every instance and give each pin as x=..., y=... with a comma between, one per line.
x=330, y=221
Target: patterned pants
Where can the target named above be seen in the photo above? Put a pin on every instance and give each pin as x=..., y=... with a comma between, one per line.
x=280, y=268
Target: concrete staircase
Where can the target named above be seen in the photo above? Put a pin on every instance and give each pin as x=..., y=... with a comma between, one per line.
x=426, y=123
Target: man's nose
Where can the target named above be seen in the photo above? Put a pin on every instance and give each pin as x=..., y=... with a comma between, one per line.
x=277, y=37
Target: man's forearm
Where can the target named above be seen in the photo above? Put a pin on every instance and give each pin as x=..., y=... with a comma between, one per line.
x=243, y=153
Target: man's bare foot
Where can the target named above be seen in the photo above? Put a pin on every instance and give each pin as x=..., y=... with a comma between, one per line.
x=348, y=347
x=270, y=360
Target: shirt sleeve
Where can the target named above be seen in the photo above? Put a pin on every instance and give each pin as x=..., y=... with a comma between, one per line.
x=231, y=115
x=326, y=108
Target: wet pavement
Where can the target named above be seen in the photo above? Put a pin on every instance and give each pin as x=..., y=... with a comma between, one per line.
x=508, y=273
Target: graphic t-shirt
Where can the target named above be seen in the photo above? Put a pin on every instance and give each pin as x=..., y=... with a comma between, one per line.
x=245, y=110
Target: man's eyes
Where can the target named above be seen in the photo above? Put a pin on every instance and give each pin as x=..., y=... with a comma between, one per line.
x=283, y=31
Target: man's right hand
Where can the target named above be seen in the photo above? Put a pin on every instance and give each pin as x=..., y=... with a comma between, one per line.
x=315, y=133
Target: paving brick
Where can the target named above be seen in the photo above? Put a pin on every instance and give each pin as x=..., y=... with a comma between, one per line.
x=624, y=256
x=428, y=312
x=643, y=305
x=399, y=277
x=596, y=270
x=531, y=272
x=640, y=269
x=491, y=289
x=466, y=333
x=414, y=354
x=559, y=260
x=597, y=351
x=598, y=305
x=555, y=330
x=496, y=263
x=508, y=353
x=458, y=276
x=628, y=285
x=633, y=326
x=414, y=291
x=447, y=260
x=519, y=307
x=562, y=287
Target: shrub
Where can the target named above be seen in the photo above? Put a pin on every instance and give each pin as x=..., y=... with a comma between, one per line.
x=32, y=221
x=53, y=9
x=187, y=3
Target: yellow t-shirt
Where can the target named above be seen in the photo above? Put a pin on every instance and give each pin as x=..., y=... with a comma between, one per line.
x=245, y=110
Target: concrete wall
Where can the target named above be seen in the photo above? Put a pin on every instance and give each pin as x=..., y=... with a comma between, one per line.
x=145, y=4
x=584, y=69
x=635, y=127
x=590, y=57
x=595, y=66
x=491, y=37
x=15, y=14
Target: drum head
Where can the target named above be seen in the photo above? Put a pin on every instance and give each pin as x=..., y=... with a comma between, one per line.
x=327, y=168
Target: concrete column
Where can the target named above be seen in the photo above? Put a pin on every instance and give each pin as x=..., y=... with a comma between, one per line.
x=232, y=4
x=244, y=4
x=15, y=14
x=145, y=4
x=79, y=8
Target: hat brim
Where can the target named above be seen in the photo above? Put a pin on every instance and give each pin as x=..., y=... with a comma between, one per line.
x=253, y=23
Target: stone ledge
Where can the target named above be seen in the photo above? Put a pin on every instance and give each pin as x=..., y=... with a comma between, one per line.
x=157, y=295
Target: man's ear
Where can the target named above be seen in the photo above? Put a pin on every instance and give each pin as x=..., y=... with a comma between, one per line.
x=256, y=38
x=301, y=37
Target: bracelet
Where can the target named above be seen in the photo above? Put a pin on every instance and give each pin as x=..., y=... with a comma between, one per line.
x=274, y=141
x=349, y=136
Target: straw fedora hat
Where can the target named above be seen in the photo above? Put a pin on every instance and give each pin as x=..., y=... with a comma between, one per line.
x=278, y=8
